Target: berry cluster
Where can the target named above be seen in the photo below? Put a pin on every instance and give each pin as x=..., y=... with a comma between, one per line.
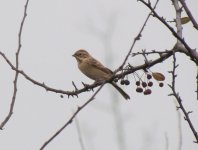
x=123, y=81
x=145, y=86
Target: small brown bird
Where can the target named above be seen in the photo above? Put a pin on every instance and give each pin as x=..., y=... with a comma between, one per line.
x=93, y=69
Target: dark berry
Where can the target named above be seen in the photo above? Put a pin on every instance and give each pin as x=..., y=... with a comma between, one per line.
x=149, y=76
x=61, y=96
x=147, y=92
x=161, y=84
x=137, y=83
x=122, y=82
x=127, y=82
x=144, y=84
x=150, y=84
x=139, y=90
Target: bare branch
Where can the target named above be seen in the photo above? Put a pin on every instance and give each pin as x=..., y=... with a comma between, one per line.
x=178, y=21
x=173, y=72
x=186, y=114
x=192, y=53
x=189, y=14
x=17, y=66
x=179, y=100
x=151, y=52
x=86, y=88
x=72, y=117
x=137, y=38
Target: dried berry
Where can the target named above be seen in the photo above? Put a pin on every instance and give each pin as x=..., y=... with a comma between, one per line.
x=147, y=92
x=161, y=84
x=137, y=83
x=150, y=84
x=149, y=76
x=144, y=84
x=127, y=82
x=139, y=90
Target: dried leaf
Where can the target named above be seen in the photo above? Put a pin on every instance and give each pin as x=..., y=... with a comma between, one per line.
x=185, y=20
x=158, y=76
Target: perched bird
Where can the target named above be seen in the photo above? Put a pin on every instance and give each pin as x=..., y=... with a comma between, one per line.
x=93, y=69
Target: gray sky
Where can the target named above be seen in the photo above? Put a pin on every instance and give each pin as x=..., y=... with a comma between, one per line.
x=53, y=31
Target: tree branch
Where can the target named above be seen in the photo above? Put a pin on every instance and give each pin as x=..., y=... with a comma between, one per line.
x=79, y=134
x=189, y=14
x=139, y=35
x=173, y=72
x=192, y=53
x=72, y=117
x=17, y=66
x=86, y=88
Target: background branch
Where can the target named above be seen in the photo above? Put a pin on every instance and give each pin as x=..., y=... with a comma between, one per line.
x=79, y=134
x=72, y=117
x=17, y=66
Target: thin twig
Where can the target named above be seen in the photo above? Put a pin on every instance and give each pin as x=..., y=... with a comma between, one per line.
x=192, y=53
x=179, y=100
x=189, y=14
x=137, y=38
x=151, y=52
x=17, y=66
x=72, y=117
x=186, y=114
x=162, y=58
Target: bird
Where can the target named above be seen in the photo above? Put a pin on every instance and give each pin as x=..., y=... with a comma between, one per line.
x=95, y=70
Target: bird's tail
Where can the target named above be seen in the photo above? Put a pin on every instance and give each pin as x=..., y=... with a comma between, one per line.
x=123, y=93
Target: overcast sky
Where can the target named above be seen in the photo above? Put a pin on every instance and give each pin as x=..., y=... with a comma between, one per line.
x=52, y=32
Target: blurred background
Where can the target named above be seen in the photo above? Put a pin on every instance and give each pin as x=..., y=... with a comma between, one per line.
x=52, y=32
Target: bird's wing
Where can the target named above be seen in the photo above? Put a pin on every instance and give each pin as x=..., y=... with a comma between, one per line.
x=100, y=66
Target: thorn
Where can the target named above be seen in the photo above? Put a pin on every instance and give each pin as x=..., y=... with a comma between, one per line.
x=171, y=88
x=76, y=89
x=189, y=112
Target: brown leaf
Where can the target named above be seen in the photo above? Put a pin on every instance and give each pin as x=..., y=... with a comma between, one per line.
x=158, y=76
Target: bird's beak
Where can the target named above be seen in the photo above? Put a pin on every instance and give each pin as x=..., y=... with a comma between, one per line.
x=74, y=55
